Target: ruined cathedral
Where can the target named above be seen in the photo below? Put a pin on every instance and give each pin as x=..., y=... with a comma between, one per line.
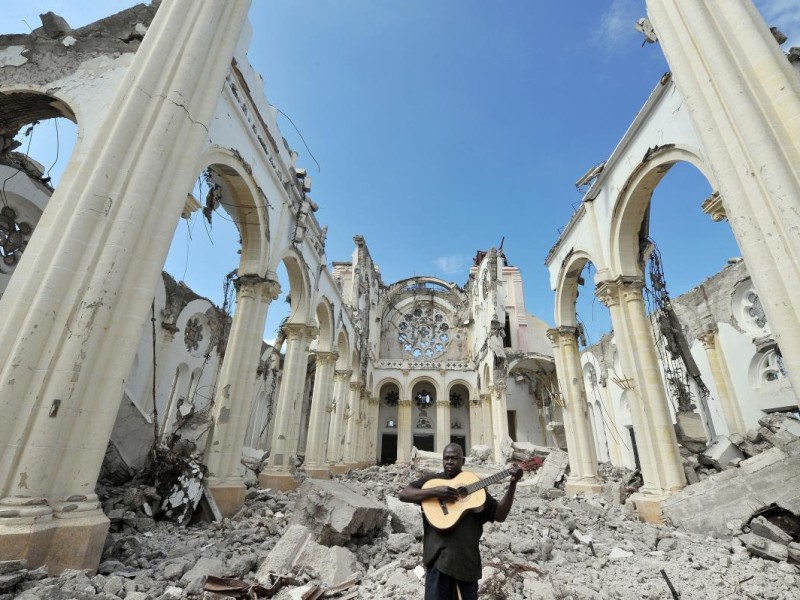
x=107, y=361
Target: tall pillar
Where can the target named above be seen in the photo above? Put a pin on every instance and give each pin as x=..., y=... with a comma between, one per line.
x=335, y=450
x=499, y=420
x=442, y=424
x=580, y=438
x=744, y=97
x=662, y=468
x=372, y=447
x=278, y=474
x=71, y=322
x=723, y=382
x=318, y=426
x=475, y=424
x=235, y=390
x=486, y=419
x=404, y=431
x=352, y=426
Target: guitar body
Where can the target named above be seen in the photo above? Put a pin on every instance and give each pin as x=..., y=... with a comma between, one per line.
x=444, y=515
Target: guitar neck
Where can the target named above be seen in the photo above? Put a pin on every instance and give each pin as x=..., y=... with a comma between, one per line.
x=479, y=485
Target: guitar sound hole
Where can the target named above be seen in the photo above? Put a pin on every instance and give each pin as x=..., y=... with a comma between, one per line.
x=462, y=492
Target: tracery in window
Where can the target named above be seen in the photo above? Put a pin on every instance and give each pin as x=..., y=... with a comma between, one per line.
x=14, y=236
x=424, y=333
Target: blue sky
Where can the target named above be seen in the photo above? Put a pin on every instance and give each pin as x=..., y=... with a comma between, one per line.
x=442, y=127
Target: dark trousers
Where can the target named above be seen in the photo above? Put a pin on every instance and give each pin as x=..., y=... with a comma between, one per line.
x=439, y=586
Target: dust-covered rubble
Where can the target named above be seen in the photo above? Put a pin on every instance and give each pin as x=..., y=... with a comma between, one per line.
x=550, y=547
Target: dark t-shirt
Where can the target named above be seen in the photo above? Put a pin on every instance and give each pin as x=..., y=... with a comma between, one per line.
x=455, y=552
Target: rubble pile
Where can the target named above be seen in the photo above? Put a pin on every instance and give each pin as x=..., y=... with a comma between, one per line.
x=351, y=538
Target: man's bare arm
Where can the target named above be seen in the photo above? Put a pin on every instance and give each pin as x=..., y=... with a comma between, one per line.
x=504, y=506
x=417, y=495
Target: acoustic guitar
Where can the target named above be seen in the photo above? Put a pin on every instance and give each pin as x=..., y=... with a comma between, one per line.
x=472, y=496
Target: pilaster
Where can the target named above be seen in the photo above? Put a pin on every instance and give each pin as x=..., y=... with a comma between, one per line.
x=442, y=424
x=499, y=419
x=335, y=448
x=352, y=424
x=722, y=381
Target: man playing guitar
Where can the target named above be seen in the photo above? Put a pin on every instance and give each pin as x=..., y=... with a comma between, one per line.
x=452, y=556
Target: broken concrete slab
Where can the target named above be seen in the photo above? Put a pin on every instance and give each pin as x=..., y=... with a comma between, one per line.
x=296, y=549
x=405, y=517
x=523, y=451
x=760, y=546
x=335, y=514
x=762, y=527
x=770, y=477
x=480, y=453
x=719, y=453
x=551, y=473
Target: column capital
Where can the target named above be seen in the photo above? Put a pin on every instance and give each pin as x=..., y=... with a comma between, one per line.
x=443, y=403
x=296, y=331
x=250, y=285
x=709, y=338
x=405, y=403
x=356, y=386
x=559, y=336
x=342, y=375
x=486, y=398
x=499, y=388
x=611, y=291
x=326, y=358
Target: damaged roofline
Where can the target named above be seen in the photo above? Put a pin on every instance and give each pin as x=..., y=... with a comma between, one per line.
x=622, y=146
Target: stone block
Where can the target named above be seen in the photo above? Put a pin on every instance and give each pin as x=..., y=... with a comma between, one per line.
x=759, y=546
x=334, y=513
x=719, y=453
x=480, y=453
x=405, y=517
x=761, y=526
x=296, y=549
x=204, y=567
x=735, y=494
x=54, y=25
x=552, y=471
x=228, y=497
x=533, y=589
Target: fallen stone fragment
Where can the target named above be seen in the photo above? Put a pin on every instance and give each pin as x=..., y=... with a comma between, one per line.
x=619, y=554
x=9, y=566
x=759, y=546
x=719, y=453
x=335, y=514
x=405, y=517
x=761, y=526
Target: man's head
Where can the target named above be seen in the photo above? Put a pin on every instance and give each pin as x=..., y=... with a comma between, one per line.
x=453, y=459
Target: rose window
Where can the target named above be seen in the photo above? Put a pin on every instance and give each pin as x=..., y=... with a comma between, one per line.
x=14, y=236
x=392, y=398
x=424, y=333
x=456, y=400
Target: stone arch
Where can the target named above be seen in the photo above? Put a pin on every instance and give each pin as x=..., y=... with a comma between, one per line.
x=378, y=389
x=343, y=349
x=632, y=202
x=20, y=105
x=244, y=201
x=567, y=287
x=429, y=381
x=463, y=383
x=325, y=325
x=299, y=287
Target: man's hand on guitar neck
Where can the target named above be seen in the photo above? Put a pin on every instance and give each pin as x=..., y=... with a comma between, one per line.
x=516, y=473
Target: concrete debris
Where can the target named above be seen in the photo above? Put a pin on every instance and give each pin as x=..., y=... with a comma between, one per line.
x=719, y=453
x=55, y=26
x=335, y=513
x=548, y=548
x=551, y=474
x=405, y=517
x=480, y=453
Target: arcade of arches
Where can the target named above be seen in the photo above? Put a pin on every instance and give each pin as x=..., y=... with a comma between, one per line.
x=363, y=371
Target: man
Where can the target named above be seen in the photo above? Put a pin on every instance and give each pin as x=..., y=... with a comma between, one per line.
x=452, y=558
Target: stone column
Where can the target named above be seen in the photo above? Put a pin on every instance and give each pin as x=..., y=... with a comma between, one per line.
x=744, y=97
x=499, y=420
x=580, y=438
x=235, y=390
x=442, y=424
x=404, y=431
x=278, y=474
x=319, y=426
x=486, y=419
x=71, y=322
x=352, y=426
x=723, y=382
x=372, y=446
x=334, y=451
x=662, y=468
x=475, y=424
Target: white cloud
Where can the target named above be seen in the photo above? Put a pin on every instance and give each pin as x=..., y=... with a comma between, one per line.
x=617, y=22
x=785, y=15
x=451, y=264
